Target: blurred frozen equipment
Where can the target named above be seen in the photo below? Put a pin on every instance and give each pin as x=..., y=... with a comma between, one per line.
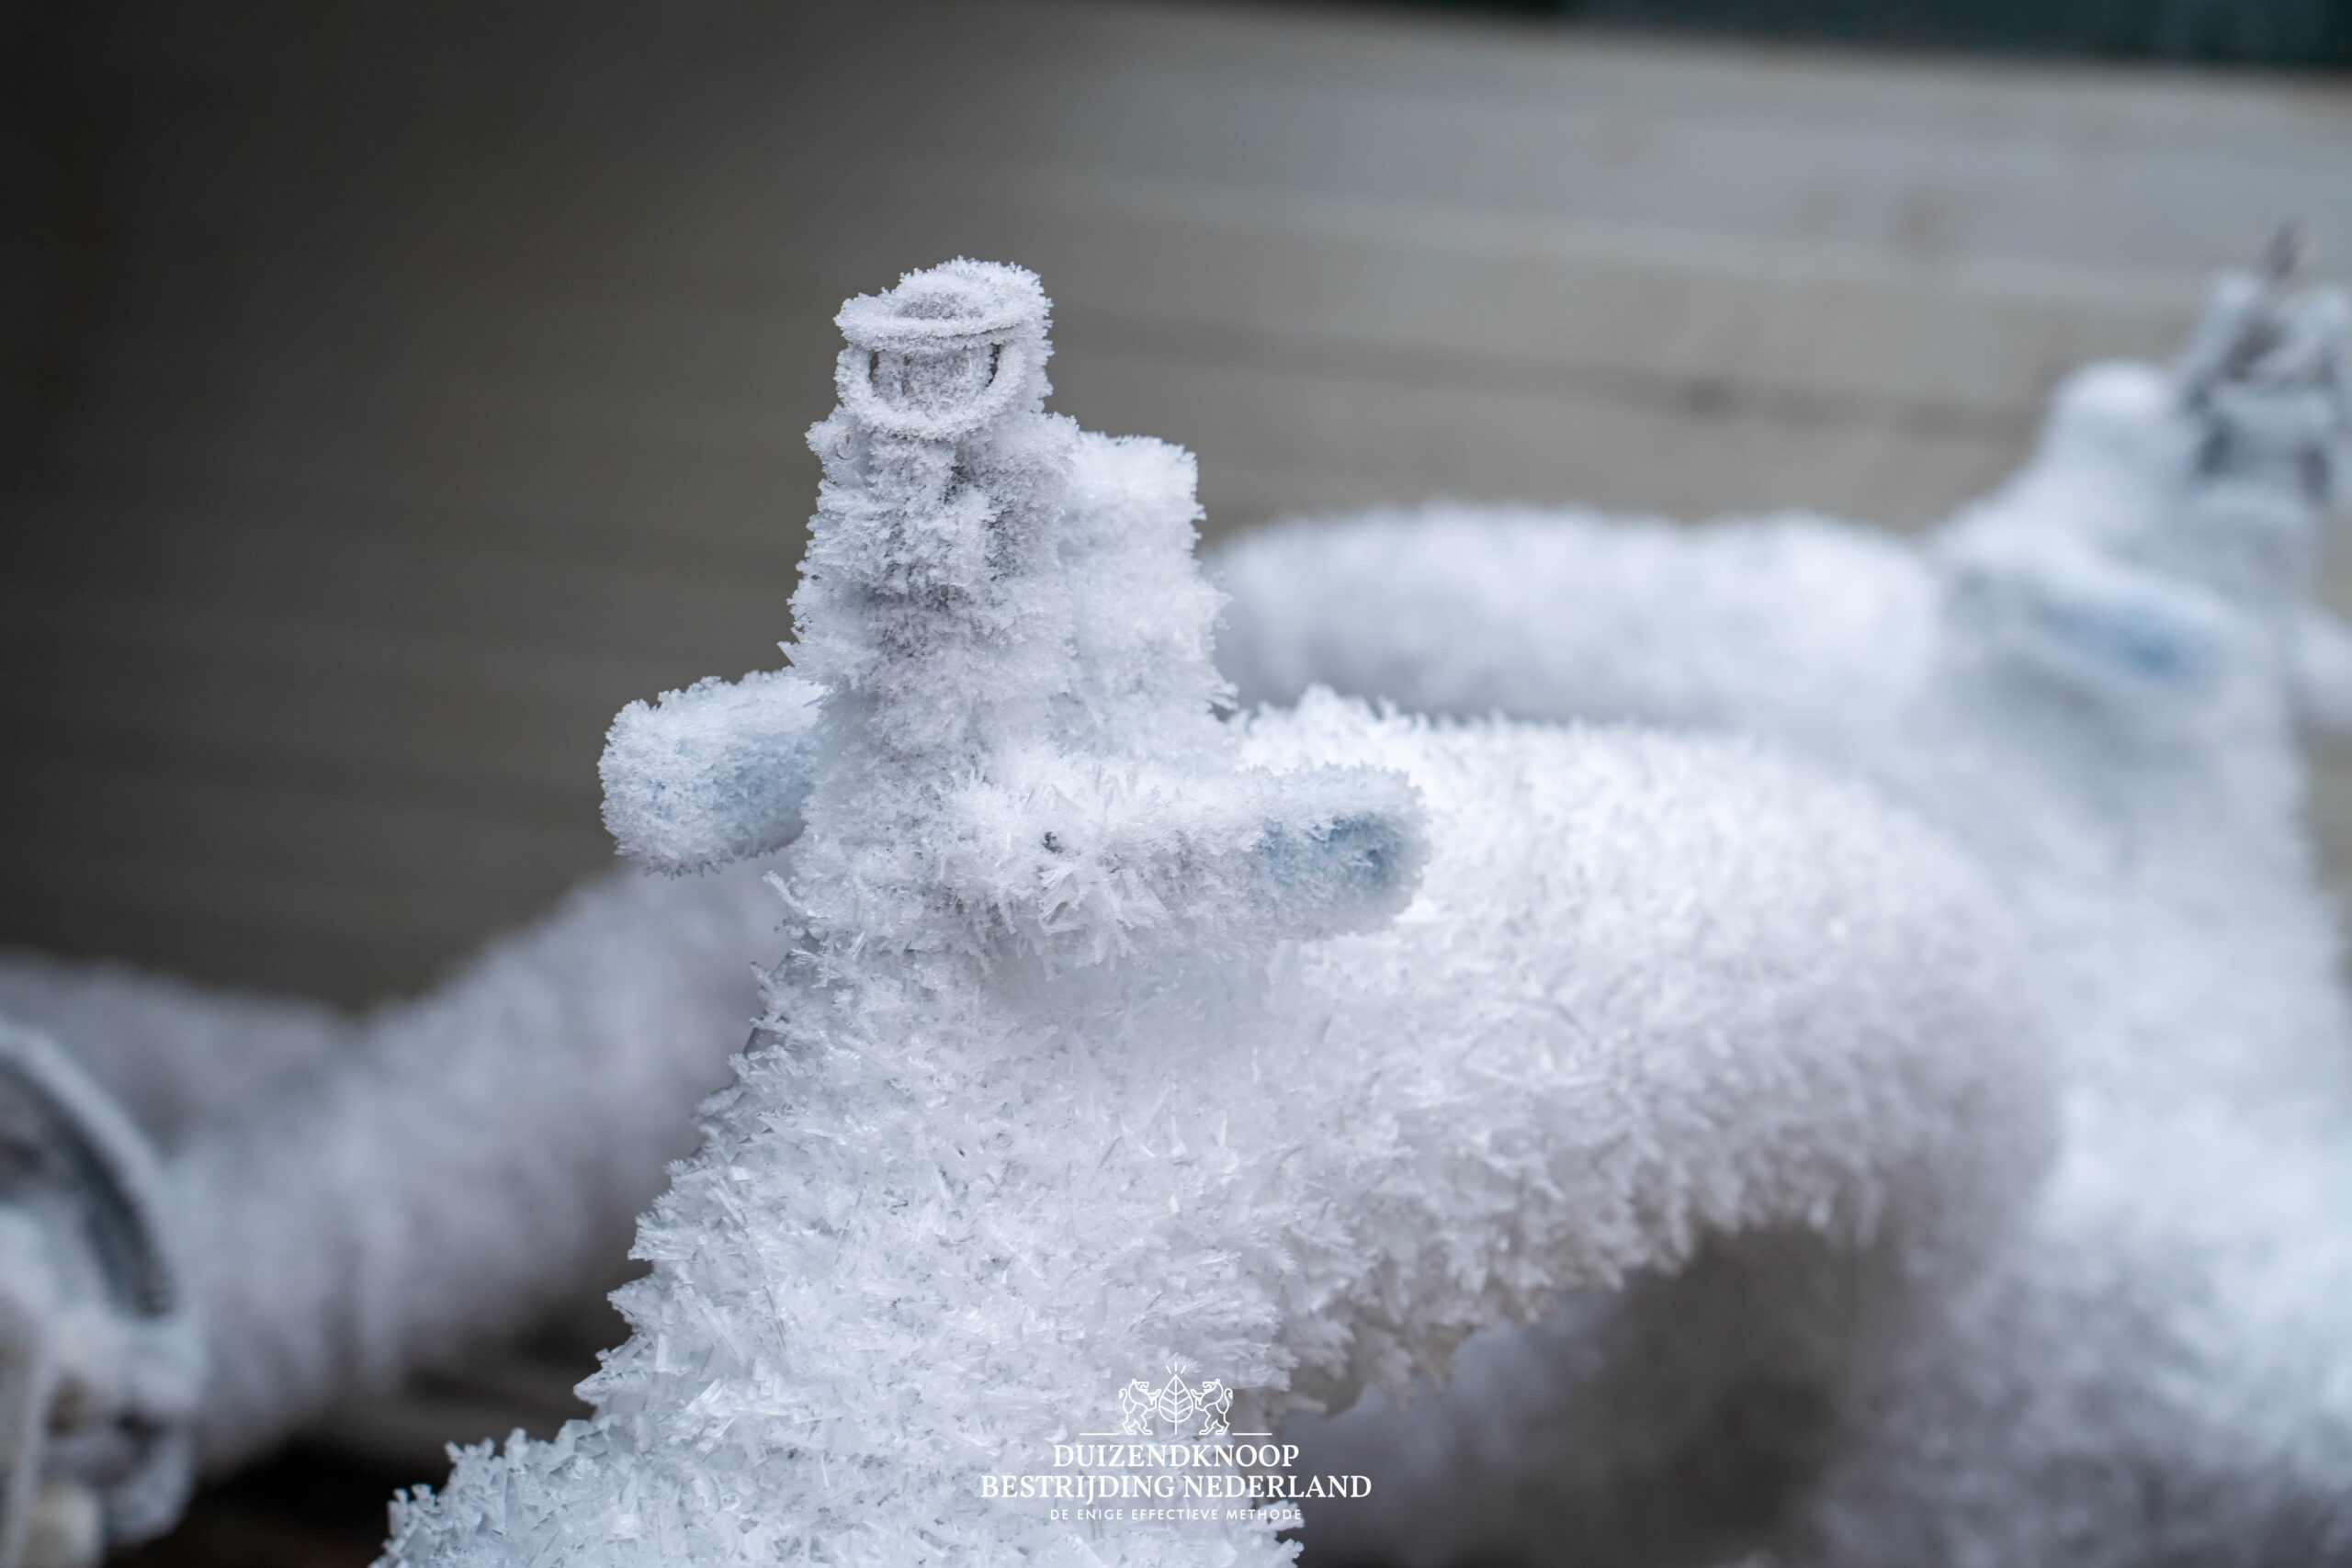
x=2087, y=680
x=1112, y=1035
x=101, y=1352
x=2091, y=680
x=339, y=1204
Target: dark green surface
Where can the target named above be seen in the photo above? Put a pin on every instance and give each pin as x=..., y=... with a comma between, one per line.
x=2277, y=32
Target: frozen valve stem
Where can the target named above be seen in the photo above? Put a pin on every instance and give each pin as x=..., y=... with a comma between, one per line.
x=101, y=1359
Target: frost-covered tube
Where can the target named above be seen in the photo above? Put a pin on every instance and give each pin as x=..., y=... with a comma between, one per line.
x=2088, y=679
x=1112, y=1035
x=463, y=1162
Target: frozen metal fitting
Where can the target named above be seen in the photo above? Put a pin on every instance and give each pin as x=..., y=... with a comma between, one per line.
x=102, y=1359
x=946, y=353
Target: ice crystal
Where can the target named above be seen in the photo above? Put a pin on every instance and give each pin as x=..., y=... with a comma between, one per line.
x=2090, y=680
x=1111, y=1036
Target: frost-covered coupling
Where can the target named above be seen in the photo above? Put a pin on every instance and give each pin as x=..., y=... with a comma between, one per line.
x=1003, y=714
x=2158, y=552
x=945, y=354
x=929, y=598
x=715, y=774
x=2156, y=1370
x=2270, y=377
x=720, y=772
x=102, y=1355
x=2265, y=388
x=1040, y=1100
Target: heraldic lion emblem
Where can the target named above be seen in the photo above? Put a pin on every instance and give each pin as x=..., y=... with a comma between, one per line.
x=1175, y=1401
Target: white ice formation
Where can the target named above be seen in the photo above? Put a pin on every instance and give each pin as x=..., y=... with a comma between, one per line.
x=102, y=1359
x=333, y=1202
x=1685, y=1398
x=171, y=1052
x=725, y=758
x=466, y=1160
x=1111, y=1037
x=2090, y=680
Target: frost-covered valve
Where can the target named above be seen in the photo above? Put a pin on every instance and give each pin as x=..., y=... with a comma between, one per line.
x=2267, y=367
x=2265, y=383
x=944, y=354
x=1115, y=1039
x=2167, y=532
x=718, y=773
x=101, y=1360
x=978, y=579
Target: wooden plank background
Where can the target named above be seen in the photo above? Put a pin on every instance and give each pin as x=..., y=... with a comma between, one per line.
x=390, y=393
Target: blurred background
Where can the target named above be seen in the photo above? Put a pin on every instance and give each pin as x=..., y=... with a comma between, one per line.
x=390, y=393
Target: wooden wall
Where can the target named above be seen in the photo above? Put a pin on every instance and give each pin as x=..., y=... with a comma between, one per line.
x=387, y=394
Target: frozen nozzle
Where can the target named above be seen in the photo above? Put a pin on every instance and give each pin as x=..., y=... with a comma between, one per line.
x=101, y=1357
x=2288, y=256
x=2267, y=371
x=946, y=353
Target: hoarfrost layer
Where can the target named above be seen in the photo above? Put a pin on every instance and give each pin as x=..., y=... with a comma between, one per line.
x=354, y=1197
x=1112, y=1037
x=2091, y=680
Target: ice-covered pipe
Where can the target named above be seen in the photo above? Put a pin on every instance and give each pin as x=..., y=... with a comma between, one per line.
x=2089, y=680
x=352, y=1199
x=468, y=1160
x=1111, y=1036
x=102, y=1352
x=1592, y=640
